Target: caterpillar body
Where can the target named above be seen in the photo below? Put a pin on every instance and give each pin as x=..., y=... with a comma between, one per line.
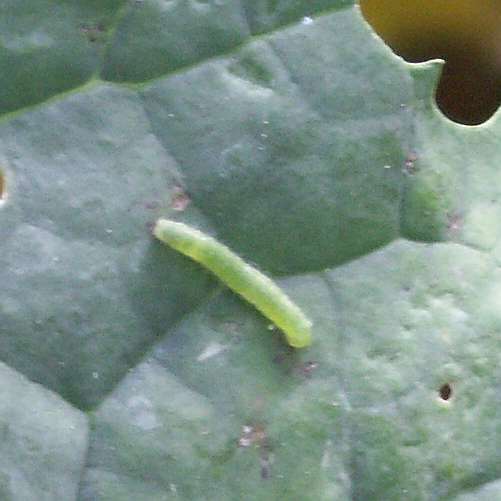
x=242, y=278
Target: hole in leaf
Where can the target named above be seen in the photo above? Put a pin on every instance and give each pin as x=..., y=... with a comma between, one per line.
x=445, y=391
x=3, y=188
x=465, y=33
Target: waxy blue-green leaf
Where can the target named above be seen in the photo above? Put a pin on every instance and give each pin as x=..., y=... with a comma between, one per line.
x=293, y=134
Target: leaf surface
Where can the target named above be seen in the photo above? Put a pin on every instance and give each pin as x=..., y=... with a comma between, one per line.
x=294, y=135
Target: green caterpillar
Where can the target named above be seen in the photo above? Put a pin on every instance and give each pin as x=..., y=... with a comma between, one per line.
x=239, y=276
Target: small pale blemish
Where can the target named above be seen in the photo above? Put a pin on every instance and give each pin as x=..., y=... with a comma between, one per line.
x=142, y=412
x=252, y=436
x=481, y=225
x=245, y=442
x=36, y=40
x=210, y=351
x=326, y=457
x=307, y=20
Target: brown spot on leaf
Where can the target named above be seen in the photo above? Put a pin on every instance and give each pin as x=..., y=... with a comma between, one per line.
x=410, y=161
x=256, y=436
x=307, y=368
x=94, y=33
x=180, y=200
x=252, y=435
x=454, y=222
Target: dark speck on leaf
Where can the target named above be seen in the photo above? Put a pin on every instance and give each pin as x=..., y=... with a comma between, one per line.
x=445, y=391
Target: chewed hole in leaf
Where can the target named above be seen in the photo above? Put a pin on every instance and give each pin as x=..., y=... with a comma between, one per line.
x=445, y=392
x=469, y=91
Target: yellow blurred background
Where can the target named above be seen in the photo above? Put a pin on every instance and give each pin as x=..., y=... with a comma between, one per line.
x=465, y=33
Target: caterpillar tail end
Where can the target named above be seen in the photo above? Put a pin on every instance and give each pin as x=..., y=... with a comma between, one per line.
x=301, y=339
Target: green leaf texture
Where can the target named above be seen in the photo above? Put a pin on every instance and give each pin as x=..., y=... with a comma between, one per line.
x=289, y=131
